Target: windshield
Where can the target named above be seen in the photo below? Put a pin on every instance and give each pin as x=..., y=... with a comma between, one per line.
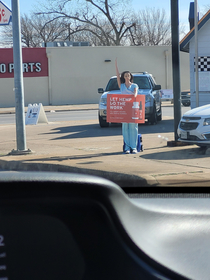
x=66, y=123
x=112, y=85
x=61, y=112
x=142, y=82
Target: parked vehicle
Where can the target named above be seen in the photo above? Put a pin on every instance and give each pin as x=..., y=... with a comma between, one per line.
x=185, y=98
x=194, y=126
x=147, y=86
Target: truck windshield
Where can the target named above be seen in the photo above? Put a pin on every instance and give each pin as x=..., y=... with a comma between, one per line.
x=112, y=85
x=142, y=82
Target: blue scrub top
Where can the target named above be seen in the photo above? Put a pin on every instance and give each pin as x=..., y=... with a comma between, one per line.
x=129, y=90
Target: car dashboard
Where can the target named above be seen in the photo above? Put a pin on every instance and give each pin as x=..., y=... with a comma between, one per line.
x=70, y=226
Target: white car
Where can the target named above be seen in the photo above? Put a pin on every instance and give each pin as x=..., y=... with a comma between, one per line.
x=194, y=126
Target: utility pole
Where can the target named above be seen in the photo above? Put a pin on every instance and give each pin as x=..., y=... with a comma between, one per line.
x=196, y=52
x=18, y=82
x=176, y=64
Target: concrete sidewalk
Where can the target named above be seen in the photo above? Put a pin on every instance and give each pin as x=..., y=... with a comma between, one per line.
x=74, y=147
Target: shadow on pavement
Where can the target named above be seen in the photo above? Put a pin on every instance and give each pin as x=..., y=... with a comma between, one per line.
x=188, y=153
x=94, y=130
x=85, y=131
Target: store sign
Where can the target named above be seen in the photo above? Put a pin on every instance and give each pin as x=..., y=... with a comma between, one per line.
x=5, y=14
x=27, y=67
x=35, y=62
x=125, y=108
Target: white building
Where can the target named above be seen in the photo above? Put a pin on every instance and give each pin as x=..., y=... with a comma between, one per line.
x=188, y=45
x=72, y=75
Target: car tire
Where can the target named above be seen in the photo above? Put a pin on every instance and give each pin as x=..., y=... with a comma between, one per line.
x=102, y=122
x=153, y=117
x=186, y=104
x=203, y=147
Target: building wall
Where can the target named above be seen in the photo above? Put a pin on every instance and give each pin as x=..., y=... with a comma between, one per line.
x=35, y=67
x=204, y=76
x=76, y=73
x=35, y=89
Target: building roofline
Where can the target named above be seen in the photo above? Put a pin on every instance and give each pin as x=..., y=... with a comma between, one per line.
x=184, y=43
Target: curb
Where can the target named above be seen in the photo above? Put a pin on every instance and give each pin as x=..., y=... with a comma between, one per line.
x=52, y=109
x=57, y=108
x=123, y=180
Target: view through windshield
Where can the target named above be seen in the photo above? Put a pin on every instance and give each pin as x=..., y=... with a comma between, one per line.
x=65, y=106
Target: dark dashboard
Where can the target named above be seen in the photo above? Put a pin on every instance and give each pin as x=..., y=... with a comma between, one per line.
x=70, y=226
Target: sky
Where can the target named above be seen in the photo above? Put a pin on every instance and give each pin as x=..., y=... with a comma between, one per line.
x=27, y=6
x=166, y=5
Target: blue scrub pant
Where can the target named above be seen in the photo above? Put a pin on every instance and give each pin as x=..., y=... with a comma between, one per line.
x=130, y=135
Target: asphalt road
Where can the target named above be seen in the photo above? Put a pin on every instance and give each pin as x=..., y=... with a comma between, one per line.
x=56, y=116
x=79, y=115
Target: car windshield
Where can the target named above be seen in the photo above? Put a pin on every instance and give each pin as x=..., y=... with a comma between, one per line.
x=62, y=117
x=66, y=86
x=112, y=85
x=142, y=82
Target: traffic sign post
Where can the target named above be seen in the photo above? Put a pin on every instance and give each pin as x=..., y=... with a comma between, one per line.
x=18, y=79
x=5, y=14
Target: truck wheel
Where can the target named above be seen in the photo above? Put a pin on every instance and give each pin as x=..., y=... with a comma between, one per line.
x=153, y=117
x=102, y=122
x=186, y=103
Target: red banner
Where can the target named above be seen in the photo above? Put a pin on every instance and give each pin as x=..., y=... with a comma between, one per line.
x=35, y=62
x=125, y=108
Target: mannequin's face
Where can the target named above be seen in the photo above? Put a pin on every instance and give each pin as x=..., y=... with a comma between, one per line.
x=127, y=76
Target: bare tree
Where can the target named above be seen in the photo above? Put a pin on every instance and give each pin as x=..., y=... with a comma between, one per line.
x=46, y=29
x=6, y=35
x=28, y=36
x=100, y=22
x=205, y=10
x=105, y=19
x=36, y=30
x=152, y=28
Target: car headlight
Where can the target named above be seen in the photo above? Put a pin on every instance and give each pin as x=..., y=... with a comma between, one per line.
x=206, y=121
x=103, y=101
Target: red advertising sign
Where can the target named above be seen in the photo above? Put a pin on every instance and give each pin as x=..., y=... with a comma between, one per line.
x=125, y=108
x=35, y=62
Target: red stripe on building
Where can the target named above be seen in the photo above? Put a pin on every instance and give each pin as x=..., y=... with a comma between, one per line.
x=35, y=62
